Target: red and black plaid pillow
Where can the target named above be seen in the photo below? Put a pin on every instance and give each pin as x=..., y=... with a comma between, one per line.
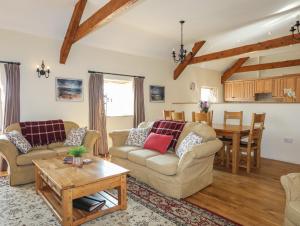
x=43, y=132
x=167, y=127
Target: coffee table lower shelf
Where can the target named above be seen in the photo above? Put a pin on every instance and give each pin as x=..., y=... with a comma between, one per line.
x=79, y=216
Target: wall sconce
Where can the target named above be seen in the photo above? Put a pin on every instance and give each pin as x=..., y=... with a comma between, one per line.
x=41, y=71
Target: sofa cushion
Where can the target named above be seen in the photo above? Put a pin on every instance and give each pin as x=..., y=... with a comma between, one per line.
x=75, y=137
x=188, y=142
x=293, y=211
x=137, y=136
x=26, y=159
x=203, y=130
x=19, y=141
x=165, y=164
x=140, y=156
x=122, y=151
x=61, y=151
x=158, y=142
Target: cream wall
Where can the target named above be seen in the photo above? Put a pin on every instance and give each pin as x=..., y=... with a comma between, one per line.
x=38, y=94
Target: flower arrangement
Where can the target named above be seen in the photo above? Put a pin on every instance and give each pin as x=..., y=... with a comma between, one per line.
x=290, y=93
x=77, y=151
x=204, y=106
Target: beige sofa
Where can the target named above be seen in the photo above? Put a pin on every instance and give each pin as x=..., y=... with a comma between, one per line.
x=167, y=173
x=291, y=185
x=21, y=170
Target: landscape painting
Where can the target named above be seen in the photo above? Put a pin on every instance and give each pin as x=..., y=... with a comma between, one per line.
x=157, y=94
x=69, y=89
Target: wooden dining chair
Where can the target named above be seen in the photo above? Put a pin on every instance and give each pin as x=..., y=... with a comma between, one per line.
x=202, y=117
x=168, y=114
x=228, y=115
x=253, y=144
x=178, y=116
x=227, y=141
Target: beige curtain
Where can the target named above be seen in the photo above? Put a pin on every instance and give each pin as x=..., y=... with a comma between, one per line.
x=139, y=107
x=97, y=116
x=12, y=100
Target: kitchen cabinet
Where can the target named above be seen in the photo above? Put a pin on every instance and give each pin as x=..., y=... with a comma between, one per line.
x=259, y=86
x=245, y=90
x=267, y=85
x=278, y=87
x=228, y=88
x=238, y=91
x=249, y=90
x=297, y=82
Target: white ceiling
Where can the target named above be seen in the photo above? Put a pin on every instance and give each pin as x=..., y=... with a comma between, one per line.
x=151, y=28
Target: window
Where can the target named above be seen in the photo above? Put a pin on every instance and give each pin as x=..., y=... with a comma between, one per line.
x=209, y=94
x=118, y=97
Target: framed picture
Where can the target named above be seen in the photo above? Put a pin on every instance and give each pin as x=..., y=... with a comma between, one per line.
x=157, y=94
x=67, y=89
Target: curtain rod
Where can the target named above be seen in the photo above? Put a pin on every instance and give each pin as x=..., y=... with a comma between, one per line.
x=108, y=73
x=8, y=62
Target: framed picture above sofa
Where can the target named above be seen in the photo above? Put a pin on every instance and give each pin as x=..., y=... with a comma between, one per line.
x=157, y=94
x=67, y=89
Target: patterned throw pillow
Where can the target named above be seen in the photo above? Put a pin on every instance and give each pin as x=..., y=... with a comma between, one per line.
x=189, y=141
x=75, y=137
x=19, y=141
x=137, y=137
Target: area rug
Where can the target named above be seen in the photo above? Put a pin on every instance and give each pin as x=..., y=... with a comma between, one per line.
x=21, y=206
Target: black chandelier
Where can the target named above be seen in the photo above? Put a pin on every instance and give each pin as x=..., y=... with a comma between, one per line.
x=294, y=29
x=182, y=51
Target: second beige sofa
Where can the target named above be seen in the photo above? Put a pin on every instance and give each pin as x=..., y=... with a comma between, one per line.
x=21, y=169
x=173, y=176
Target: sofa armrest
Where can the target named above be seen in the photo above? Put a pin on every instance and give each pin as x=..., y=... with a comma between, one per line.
x=119, y=137
x=207, y=149
x=9, y=151
x=291, y=185
x=90, y=139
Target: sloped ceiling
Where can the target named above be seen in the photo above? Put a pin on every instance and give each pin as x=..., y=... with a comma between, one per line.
x=151, y=28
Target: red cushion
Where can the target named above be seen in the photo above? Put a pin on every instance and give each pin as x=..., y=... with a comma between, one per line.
x=158, y=142
x=168, y=127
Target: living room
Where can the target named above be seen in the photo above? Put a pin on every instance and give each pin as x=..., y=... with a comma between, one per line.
x=54, y=43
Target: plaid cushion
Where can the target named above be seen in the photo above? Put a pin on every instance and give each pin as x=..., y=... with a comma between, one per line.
x=43, y=132
x=167, y=127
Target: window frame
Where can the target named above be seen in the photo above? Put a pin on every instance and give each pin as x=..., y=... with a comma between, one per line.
x=215, y=90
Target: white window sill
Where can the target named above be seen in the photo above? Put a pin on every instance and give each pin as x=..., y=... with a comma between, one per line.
x=119, y=116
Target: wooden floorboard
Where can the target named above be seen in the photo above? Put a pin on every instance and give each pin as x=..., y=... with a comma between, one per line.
x=255, y=199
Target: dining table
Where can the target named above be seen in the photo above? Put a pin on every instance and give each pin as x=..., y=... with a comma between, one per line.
x=235, y=132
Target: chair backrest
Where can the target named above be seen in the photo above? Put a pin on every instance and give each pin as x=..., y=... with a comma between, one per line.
x=233, y=115
x=202, y=117
x=178, y=116
x=257, y=127
x=168, y=114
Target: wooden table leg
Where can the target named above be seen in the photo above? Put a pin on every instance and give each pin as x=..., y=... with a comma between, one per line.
x=122, y=193
x=38, y=179
x=67, y=204
x=235, y=152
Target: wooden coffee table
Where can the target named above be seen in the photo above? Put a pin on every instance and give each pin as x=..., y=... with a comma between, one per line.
x=59, y=184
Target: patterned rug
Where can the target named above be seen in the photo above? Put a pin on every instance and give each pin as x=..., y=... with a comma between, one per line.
x=21, y=206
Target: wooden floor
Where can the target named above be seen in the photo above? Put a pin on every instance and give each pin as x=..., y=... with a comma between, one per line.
x=257, y=199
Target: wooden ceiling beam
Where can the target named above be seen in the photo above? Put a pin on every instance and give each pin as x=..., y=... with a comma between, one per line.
x=266, y=66
x=233, y=69
x=72, y=29
x=101, y=16
x=269, y=44
x=180, y=68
